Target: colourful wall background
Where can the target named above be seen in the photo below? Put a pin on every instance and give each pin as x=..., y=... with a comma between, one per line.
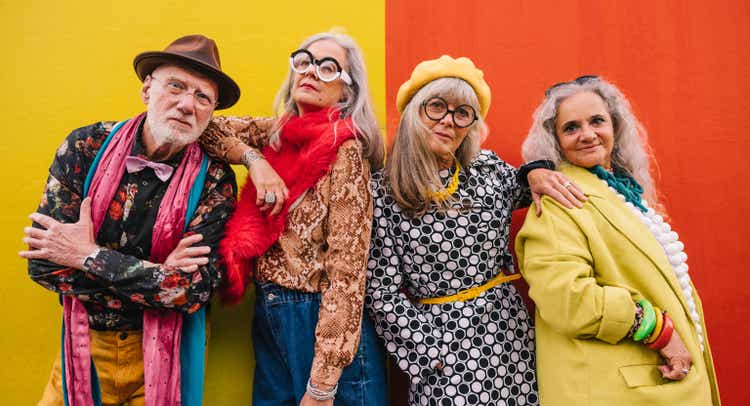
x=69, y=64
x=684, y=66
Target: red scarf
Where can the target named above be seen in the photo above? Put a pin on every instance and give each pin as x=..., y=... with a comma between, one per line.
x=309, y=145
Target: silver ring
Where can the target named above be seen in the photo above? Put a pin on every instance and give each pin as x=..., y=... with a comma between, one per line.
x=685, y=371
x=270, y=197
x=566, y=184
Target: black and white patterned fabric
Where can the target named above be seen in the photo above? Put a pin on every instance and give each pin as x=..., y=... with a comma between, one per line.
x=485, y=345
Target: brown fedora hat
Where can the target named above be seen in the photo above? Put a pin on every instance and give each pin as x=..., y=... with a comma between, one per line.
x=196, y=52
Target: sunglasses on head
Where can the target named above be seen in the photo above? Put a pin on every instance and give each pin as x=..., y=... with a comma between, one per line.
x=579, y=81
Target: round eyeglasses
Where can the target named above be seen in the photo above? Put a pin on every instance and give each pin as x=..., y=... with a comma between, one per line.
x=328, y=69
x=436, y=108
x=179, y=88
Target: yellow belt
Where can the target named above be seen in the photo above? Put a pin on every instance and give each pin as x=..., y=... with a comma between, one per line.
x=471, y=293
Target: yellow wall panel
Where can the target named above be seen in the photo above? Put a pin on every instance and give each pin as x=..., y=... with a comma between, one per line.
x=69, y=64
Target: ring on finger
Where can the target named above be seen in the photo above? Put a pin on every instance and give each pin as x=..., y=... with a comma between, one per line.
x=685, y=370
x=270, y=197
x=566, y=184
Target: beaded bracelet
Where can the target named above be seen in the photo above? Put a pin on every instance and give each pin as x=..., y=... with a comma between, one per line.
x=321, y=394
x=250, y=156
x=666, y=334
x=647, y=323
x=637, y=321
x=658, y=328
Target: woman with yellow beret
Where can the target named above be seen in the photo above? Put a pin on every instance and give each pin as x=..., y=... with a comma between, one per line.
x=439, y=259
x=618, y=320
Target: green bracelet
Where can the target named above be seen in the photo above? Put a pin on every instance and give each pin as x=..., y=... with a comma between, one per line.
x=648, y=323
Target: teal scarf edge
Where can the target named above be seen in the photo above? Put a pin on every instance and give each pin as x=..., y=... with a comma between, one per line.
x=623, y=184
x=193, y=341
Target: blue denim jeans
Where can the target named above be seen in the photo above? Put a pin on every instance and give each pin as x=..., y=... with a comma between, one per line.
x=284, y=339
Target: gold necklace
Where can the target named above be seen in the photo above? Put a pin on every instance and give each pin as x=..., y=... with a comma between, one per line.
x=448, y=191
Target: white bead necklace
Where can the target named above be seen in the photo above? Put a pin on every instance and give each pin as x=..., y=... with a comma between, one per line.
x=670, y=243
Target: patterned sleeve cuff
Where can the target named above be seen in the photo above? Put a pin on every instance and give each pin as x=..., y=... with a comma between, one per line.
x=417, y=371
x=89, y=260
x=94, y=262
x=218, y=139
x=324, y=374
x=438, y=363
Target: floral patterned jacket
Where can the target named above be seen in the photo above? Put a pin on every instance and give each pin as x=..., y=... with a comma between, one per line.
x=119, y=282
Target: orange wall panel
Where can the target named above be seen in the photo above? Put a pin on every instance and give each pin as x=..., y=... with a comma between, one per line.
x=685, y=66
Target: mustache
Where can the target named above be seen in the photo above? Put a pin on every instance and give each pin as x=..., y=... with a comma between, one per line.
x=165, y=132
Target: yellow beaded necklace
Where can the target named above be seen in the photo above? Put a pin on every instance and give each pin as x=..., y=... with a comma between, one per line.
x=448, y=191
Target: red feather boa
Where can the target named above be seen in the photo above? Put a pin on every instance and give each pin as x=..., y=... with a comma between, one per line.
x=309, y=145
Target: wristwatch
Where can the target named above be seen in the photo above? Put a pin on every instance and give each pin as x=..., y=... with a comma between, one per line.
x=90, y=257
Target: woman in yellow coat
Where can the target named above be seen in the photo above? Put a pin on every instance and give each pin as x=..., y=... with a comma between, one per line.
x=618, y=321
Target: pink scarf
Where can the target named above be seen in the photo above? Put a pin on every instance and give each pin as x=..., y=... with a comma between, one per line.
x=161, y=329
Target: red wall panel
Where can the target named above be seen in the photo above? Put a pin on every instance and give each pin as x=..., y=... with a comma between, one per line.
x=685, y=66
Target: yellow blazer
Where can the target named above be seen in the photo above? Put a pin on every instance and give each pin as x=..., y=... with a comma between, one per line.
x=586, y=268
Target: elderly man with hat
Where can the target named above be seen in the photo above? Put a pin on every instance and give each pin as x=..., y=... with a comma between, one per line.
x=126, y=233
x=439, y=262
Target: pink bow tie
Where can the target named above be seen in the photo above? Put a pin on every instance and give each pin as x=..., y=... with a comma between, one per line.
x=136, y=164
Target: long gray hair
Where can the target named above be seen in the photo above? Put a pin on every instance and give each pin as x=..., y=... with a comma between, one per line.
x=412, y=170
x=630, y=152
x=356, y=102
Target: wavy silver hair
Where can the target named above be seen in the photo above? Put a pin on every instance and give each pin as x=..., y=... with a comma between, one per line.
x=630, y=152
x=412, y=168
x=355, y=104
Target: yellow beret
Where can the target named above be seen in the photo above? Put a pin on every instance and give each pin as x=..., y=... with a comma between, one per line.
x=445, y=67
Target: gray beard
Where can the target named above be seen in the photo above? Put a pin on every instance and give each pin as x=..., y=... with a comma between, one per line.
x=166, y=134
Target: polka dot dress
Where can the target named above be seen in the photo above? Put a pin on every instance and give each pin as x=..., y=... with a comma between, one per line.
x=486, y=344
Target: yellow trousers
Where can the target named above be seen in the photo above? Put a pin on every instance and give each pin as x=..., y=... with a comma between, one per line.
x=118, y=357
